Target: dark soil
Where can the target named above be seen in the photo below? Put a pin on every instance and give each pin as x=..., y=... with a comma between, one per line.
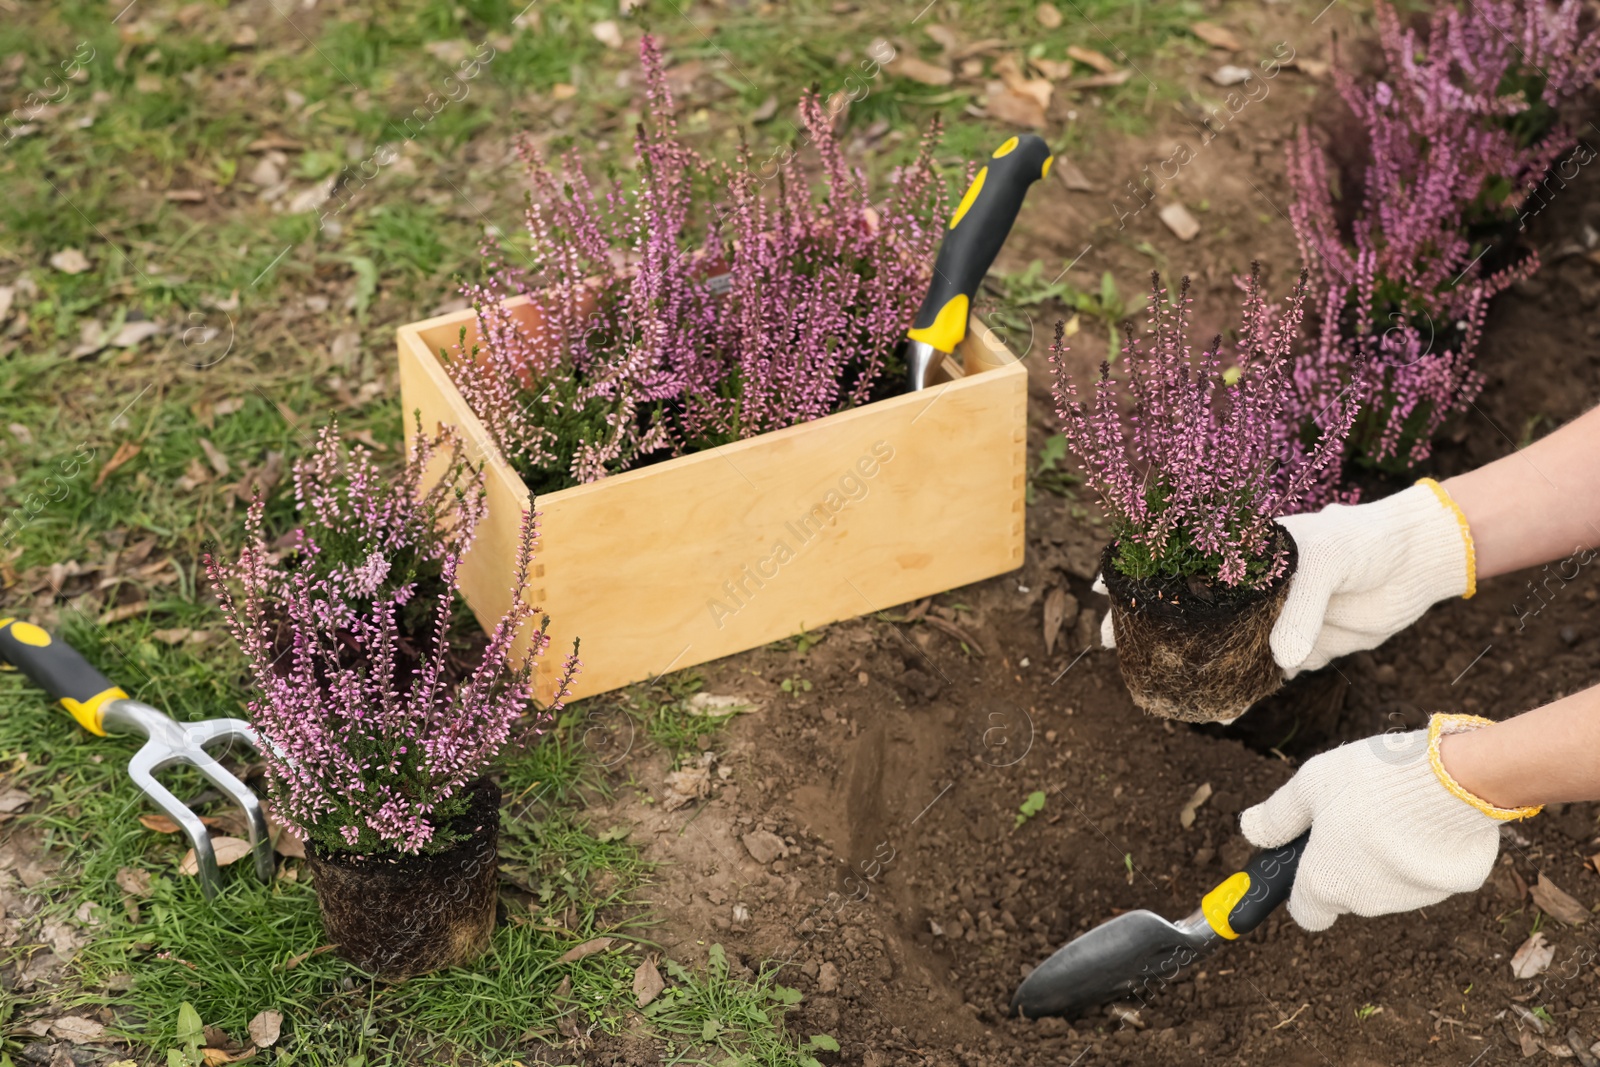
x=397, y=915
x=1193, y=650
x=908, y=896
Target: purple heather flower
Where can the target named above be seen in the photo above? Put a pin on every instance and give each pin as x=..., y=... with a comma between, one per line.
x=1194, y=472
x=365, y=738
x=667, y=325
x=1399, y=293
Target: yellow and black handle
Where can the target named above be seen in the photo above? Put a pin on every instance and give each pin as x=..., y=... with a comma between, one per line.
x=1242, y=901
x=978, y=227
x=58, y=669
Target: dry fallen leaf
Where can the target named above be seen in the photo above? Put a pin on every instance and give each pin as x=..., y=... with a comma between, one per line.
x=1180, y=221
x=1016, y=109
x=124, y=613
x=172, y=637
x=943, y=36
x=1100, y=81
x=1071, y=176
x=1089, y=57
x=70, y=261
x=294, y=961
x=685, y=786
x=1532, y=958
x=215, y=1057
x=563, y=91
x=77, y=1029
x=1228, y=74
x=265, y=1028
x=1312, y=68
x=1054, y=69
x=1055, y=611
x=285, y=843
x=214, y=456
x=1049, y=16
x=920, y=70
x=160, y=824
x=228, y=850
x=647, y=983
x=1186, y=815
x=1011, y=74
x=125, y=451
x=133, y=881
x=133, y=333
x=1557, y=904
x=588, y=948
x=1216, y=36
x=12, y=800
x=607, y=33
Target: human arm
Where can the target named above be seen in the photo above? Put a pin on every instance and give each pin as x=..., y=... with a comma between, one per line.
x=1368, y=571
x=1403, y=820
x=1550, y=755
x=1537, y=504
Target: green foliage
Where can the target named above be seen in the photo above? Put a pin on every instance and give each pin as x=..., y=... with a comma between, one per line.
x=1031, y=806
x=1051, y=473
x=723, y=1019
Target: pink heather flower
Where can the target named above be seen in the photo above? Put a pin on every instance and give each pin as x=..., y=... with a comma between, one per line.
x=1458, y=133
x=1193, y=473
x=666, y=324
x=368, y=732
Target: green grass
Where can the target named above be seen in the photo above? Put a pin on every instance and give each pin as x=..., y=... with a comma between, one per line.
x=251, y=298
x=249, y=949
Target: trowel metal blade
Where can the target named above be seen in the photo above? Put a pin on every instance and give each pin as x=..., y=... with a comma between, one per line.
x=1134, y=952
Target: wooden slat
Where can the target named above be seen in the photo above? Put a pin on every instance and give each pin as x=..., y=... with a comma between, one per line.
x=714, y=553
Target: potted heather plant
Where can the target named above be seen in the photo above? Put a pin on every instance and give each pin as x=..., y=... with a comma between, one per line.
x=697, y=304
x=1451, y=141
x=376, y=743
x=1197, y=569
x=694, y=366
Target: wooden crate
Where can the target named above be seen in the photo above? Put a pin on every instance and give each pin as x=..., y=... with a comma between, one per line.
x=699, y=557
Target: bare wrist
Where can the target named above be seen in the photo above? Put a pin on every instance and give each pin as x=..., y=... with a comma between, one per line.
x=1471, y=759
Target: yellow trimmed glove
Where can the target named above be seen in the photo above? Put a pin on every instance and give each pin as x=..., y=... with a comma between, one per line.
x=1390, y=829
x=1367, y=571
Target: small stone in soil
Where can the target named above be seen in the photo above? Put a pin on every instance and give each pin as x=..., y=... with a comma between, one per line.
x=764, y=846
x=1386, y=674
x=1569, y=636
x=827, y=978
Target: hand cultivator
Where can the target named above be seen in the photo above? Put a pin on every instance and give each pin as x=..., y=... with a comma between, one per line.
x=978, y=227
x=103, y=708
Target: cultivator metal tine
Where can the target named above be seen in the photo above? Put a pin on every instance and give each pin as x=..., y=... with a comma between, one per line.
x=213, y=730
x=151, y=758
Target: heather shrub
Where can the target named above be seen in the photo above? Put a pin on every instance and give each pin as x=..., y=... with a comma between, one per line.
x=695, y=303
x=1463, y=123
x=356, y=519
x=370, y=733
x=1192, y=460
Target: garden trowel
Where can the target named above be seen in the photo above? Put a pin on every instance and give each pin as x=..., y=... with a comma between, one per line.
x=978, y=227
x=1138, y=953
x=103, y=708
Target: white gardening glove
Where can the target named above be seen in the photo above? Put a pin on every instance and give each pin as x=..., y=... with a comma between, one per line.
x=1367, y=571
x=1390, y=829
x=1108, y=634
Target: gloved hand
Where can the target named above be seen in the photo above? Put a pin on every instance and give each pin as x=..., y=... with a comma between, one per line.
x=1390, y=829
x=1366, y=572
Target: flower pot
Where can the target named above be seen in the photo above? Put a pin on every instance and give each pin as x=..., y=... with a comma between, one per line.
x=1195, y=654
x=396, y=915
x=694, y=558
